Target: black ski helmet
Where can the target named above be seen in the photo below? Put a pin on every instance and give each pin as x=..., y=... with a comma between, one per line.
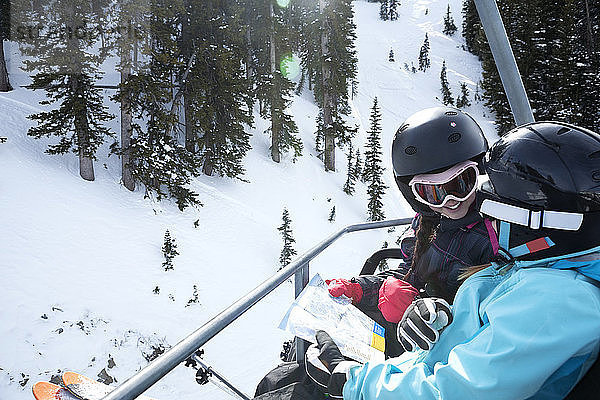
x=431, y=141
x=544, y=183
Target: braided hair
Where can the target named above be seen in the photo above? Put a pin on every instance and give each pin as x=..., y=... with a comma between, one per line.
x=424, y=235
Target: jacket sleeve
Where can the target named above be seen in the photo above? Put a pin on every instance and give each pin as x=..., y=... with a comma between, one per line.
x=539, y=330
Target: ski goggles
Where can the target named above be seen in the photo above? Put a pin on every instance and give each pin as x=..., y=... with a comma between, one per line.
x=456, y=183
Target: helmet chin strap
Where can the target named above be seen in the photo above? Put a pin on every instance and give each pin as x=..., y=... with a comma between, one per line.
x=523, y=249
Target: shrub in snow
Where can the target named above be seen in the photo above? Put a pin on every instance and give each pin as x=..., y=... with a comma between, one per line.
x=424, y=61
x=288, y=240
x=331, y=215
x=449, y=26
x=446, y=94
x=463, y=99
x=169, y=250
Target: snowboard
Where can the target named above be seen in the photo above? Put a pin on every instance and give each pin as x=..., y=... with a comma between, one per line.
x=88, y=389
x=50, y=391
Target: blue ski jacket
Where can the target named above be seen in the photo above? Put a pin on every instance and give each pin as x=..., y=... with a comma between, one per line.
x=527, y=330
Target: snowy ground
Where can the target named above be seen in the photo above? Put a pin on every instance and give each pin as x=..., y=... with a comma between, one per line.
x=80, y=260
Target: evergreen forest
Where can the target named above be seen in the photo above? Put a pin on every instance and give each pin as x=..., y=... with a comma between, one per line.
x=557, y=49
x=192, y=73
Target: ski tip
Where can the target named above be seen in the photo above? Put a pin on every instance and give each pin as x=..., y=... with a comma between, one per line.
x=84, y=387
x=50, y=391
x=71, y=378
x=45, y=390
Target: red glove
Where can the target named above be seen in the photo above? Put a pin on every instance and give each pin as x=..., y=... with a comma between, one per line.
x=338, y=287
x=395, y=296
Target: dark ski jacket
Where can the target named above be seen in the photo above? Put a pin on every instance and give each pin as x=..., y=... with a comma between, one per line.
x=458, y=244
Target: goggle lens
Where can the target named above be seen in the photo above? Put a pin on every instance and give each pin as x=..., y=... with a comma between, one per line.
x=460, y=187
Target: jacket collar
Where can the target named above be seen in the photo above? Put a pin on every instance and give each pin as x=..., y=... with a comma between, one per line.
x=449, y=224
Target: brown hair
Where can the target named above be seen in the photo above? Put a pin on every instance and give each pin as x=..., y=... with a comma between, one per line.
x=467, y=272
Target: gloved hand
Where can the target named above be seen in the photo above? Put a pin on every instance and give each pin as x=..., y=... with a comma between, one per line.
x=395, y=296
x=423, y=322
x=339, y=287
x=325, y=353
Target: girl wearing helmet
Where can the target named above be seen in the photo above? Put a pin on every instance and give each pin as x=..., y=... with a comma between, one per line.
x=436, y=155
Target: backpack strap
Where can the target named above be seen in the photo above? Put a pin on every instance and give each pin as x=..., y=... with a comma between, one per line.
x=492, y=235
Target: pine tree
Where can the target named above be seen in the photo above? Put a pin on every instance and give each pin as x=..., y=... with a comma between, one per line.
x=5, y=15
x=288, y=240
x=156, y=159
x=354, y=88
x=337, y=69
x=308, y=44
x=329, y=63
x=391, y=56
x=319, y=137
x=393, y=10
x=477, y=96
x=575, y=62
x=556, y=54
x=331, y=215
x=223, y=106
x=194, y=298
x=586, y=43
x=351, y=174
x=424, y=61
x=67, y=68
x=128, y=14
x=357, y=169
x=384, y=10
x=449, y=26
x=169, y=251
x=270, y=50
x=463, y=99
x=373, y=170
x=446, y=94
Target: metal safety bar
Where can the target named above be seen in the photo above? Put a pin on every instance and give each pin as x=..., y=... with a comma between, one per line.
x=300, y=281
x=149, y=375
x=505, y=61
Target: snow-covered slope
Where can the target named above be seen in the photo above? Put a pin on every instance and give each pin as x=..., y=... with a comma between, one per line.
x=80, y=260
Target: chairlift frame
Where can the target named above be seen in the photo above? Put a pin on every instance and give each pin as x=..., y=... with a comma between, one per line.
x=522, y=113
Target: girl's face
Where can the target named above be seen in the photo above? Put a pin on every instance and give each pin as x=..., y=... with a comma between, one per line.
x=450, y=192
x=455, y=209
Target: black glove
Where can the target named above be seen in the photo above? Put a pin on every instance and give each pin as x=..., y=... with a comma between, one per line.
x=422, y=323
x=326, y=366
x=370, y=285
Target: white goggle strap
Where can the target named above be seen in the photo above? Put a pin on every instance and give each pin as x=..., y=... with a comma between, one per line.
x=533, y=219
